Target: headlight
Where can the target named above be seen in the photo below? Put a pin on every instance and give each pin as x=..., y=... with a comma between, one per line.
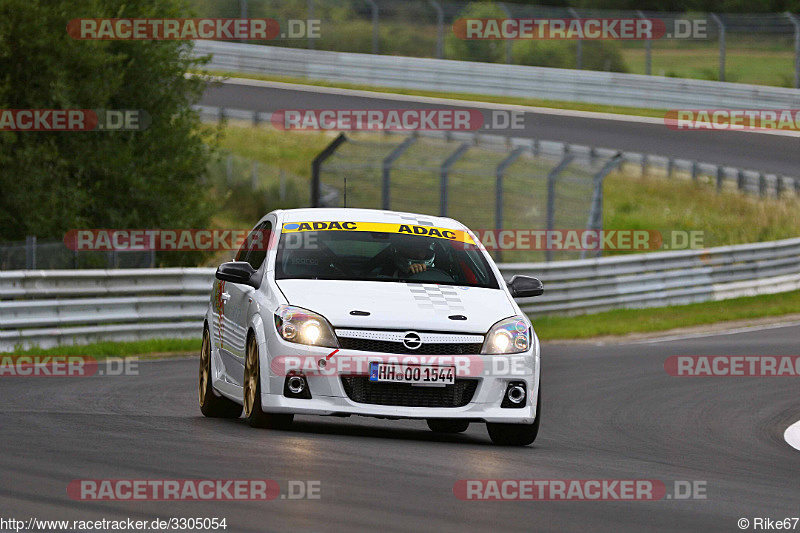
x=510, y=335
x=304, y=327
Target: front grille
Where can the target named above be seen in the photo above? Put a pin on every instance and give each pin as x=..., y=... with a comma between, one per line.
x=360, y=389
x=376, y=346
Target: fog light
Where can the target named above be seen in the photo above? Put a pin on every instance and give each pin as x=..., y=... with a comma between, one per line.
x=296, y=386
x=515, y=396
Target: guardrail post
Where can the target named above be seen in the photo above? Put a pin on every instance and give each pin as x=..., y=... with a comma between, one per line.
x=720, y=177
x=796, y=25
x=694, y=171
x=439, y=28
x=317, y=164
x=740, y=179
x=796, y=183
x=509, y=42
x=30, y=252
x=387, y=168
x=762, y=185
x=579, y=48
x=648, y=48
x=779, y=186
x=595, y=221
x=670, y=164
x=445, y=170
x=721, y=27
x=644, y=165
x=375, y=35
x=498, y=191
x=552, y=176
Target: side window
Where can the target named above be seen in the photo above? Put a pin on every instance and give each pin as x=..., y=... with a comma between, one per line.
x=256, y=245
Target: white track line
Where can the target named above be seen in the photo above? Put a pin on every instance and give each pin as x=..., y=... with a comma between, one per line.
x=471, y=103
x=792, y=435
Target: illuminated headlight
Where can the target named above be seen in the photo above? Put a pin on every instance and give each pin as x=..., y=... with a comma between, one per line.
x=509, y=336
x=304, y=327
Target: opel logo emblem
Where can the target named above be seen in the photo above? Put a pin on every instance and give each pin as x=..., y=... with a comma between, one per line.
x=412, y=341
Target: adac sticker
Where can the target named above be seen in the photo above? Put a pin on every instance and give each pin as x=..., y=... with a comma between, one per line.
x=383, y=227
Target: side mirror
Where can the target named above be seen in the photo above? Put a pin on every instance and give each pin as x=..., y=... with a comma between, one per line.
x=525, y=287
x=238, y=272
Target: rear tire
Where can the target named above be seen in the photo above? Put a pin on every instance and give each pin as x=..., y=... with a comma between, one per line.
x=517, y=434
x=252, y=394
x=211, y=405
x=447, y=425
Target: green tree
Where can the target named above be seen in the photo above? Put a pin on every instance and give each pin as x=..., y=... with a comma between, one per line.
x=51, y=182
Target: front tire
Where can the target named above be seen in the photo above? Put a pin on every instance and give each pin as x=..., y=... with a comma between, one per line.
x=212, y=405
x=445, y=425
x=252, y=394
x=517, y=434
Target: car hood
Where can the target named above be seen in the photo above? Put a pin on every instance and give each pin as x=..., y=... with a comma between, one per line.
x=391, y=305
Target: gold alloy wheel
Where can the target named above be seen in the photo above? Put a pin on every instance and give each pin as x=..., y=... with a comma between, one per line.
x=205, y=367
x=250, y=377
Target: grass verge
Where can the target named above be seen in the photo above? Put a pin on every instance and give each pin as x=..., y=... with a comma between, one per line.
x=627, y=321
x=147, y=349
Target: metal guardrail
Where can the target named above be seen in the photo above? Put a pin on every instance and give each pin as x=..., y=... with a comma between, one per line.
x=495, y=79
x=47, y=308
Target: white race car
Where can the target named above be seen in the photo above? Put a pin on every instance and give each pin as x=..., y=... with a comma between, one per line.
x=375, y=313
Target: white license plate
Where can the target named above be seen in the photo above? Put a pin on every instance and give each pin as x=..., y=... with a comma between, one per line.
x=414, y=374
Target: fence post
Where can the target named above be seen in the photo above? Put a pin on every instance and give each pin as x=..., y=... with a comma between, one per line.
x=444, y=171
x=648, y=48
x=498, y=191
x=30, y=252
x=720, y=177
x=595, y=221
x=387, y=169
x=509, y=42
x=721, y=27
x=439, y=28
x=670, y=164
x=796, y=25
x=694, y=171
x=579, y=49
x=552, y=176
x=310, y=7
x=375, y=35
x=243, y=13
x=316, y=164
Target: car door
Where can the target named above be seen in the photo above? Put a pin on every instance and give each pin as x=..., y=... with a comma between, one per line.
x=238, y=299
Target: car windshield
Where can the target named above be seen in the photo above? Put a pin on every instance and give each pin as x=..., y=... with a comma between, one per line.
x=381, y=256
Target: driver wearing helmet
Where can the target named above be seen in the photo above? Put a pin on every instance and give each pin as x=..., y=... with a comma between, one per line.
x=412, y=256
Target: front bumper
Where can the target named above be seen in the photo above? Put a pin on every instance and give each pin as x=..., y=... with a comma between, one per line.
x=492, y=373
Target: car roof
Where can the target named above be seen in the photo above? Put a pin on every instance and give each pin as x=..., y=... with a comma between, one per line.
x=367, y=215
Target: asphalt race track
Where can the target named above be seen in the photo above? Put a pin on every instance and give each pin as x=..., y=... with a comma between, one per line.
x=610, y=412
x=768, y=153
